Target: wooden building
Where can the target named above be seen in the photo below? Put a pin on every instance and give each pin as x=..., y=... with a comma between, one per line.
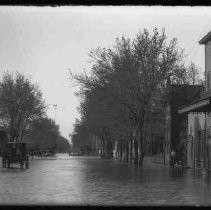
x=176, y=126
x=199, y=118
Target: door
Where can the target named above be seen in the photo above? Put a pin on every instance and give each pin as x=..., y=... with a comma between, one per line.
x=198, y=155
x=189, y=150
x=201, y=148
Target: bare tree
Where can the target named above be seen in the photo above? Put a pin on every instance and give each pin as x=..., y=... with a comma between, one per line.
x=20, y=103
x=193, y=74
x=131, y=72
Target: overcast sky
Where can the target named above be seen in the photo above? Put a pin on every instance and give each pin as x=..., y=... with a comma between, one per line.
x=44, y=42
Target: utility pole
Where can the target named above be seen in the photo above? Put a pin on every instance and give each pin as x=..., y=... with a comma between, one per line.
x=55, y=107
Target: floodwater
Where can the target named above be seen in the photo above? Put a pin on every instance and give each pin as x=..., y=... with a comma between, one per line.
x=71, y=180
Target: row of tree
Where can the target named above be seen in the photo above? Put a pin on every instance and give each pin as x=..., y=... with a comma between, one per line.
x=43, y=135
x=126, y=90
x=23, y=114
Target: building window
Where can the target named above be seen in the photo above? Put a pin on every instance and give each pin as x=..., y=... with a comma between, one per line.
x=209, y=135
x=192, y=147
x=209, y=142
x=208, y=80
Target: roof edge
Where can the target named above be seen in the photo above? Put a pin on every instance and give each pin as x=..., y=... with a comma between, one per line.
x=206, y=38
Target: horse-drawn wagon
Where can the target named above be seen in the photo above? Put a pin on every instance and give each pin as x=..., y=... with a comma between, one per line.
x=15, y=153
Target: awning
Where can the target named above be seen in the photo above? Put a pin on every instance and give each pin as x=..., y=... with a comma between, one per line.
x=197, y=106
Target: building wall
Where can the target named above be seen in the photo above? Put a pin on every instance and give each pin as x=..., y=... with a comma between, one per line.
x=176, y=130
x=199, y=126
x=208, y=65
x=196, y=123
x=199, y=132
x=208, y=141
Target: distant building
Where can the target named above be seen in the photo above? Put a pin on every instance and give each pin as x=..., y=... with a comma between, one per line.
x=199, y=118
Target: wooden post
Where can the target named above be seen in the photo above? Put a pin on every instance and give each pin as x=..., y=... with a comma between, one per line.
x=27, y=162
x=21, y=164
x=4, y=162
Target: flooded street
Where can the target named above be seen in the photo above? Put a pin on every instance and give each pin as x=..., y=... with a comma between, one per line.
x=89, y=180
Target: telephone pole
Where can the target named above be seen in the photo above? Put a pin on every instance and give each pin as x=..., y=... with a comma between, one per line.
x=55, y=107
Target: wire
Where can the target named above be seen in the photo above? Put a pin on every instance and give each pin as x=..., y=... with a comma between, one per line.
x=203, y=31
x=194, y=51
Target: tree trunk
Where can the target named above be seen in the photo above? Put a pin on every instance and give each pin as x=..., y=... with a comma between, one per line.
x=141, y=144
x=101, y=148
x=108, y=149
x=111, y=149
x=12, y=133
x=117, y=150
x=22, y=133
x=121, y=150
x=104, y=152
x=127, y=151
x=131, y=151
x=141, y=155
x=135, y=151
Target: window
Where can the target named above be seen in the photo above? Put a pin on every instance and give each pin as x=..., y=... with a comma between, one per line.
x=209, y=135
x=208, y=80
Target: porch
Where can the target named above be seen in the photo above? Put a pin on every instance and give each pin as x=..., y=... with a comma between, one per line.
x=199, y=132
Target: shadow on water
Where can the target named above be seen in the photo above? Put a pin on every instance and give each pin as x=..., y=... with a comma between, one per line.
x=202, y=175
x=208, y=178
x=176, y=173
x=13, y=170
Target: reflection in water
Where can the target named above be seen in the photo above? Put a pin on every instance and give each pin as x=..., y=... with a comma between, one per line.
x=88, y=180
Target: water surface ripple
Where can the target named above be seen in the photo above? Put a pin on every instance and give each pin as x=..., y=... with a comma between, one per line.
x=92, y=181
